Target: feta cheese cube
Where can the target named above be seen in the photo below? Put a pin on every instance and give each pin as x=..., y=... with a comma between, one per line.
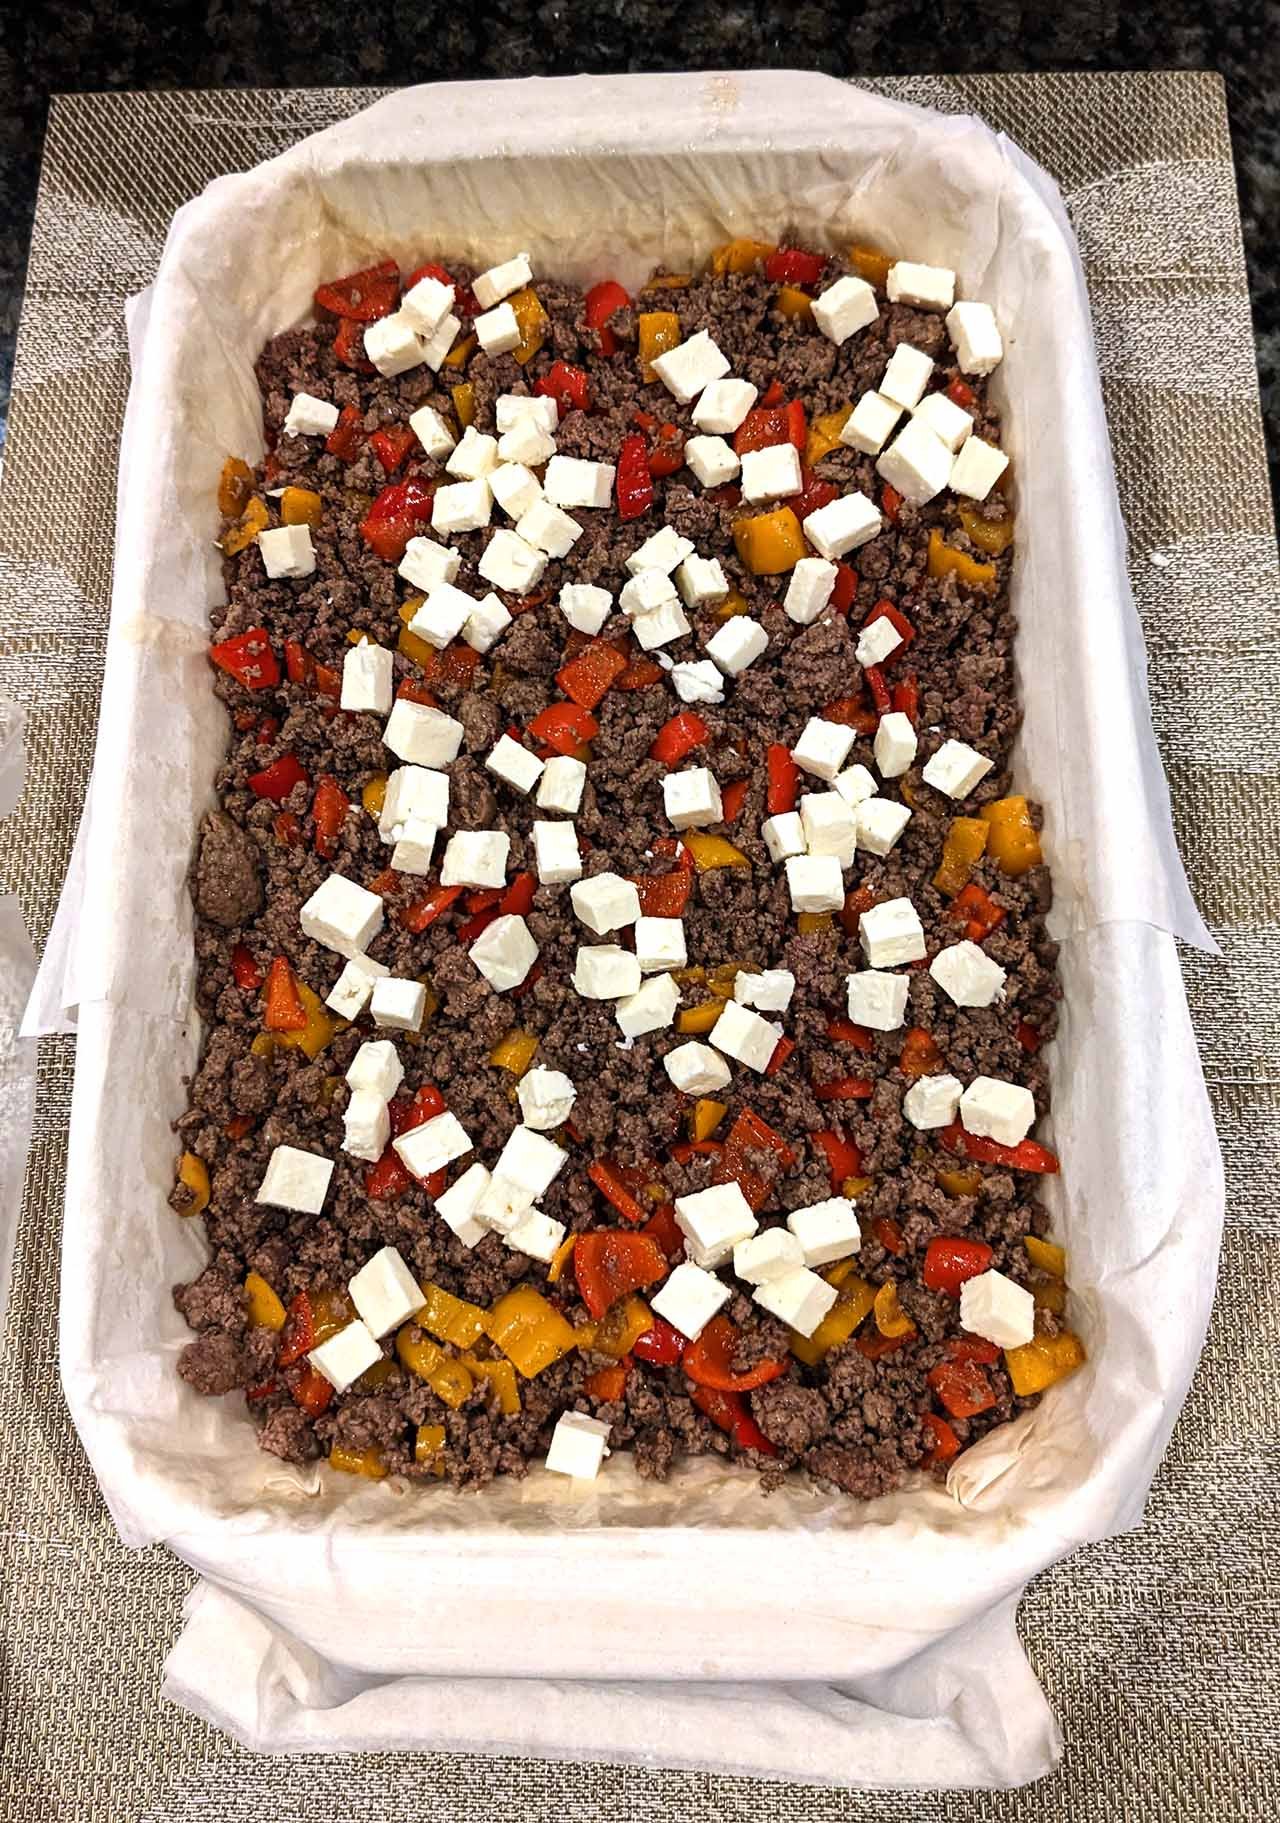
x=686, y=369
x=956, y=768
x=394, y=345
x=422, y=735
x=475, y=455
x=845, y=307
x=444, y=612
x=486, y=622
x=843, y=525
x=529, y=441
x=697, y=681
x=855, y=785
x=823, y=747
x=994, y=1109
x=385, y=1293
x=878, y=640
x=433, y=1145
x=870, y=423
x=712, y=460
x=414, y=846
x=514, y=487
x=917, y=463
x=815, y=883
x=924, y=287
x=772, y=472
x=663, y=551
x=767, y=1256
x=549, y=529
x=877, y=999
x=967, y=974
x=949, y=422
x=515, y=765
x=546, y=1098
x=309, y=416
x=476, y=857
x=585, y=607
x=509, y=563
x=570, y=481
x=563, y=779
x=770, y=991
x=342, y=916
x=695, y=1069
x=500, y=281
x=745, y=1036
x=457, y=1207
x=414, y=794
x=650, y=590
x=783, y=835
x=463, y=506
x=426, y=563
x=650, y=1009
x=692, y=798
x=895, y=744
x=661, y=625
x=737, y=644
x=826, y=1231
x=799, y=1298
x=998, y=1309
x=376, y=1068
x=605, y=903
x=891, y=934
x=578, y=1446
x=367, y=677
x=975, y=336
x=880, y=823
x=932, y=1101
x=349, y=995
x=605, y=971
x=713, y=1221
x=690, y=1298
x=440, y=341
x=505, y=952
x=809, y=590
x=527, y=1165
x=427, y=304
x=701, y=582
x=977, y=469
x=432, y=433
x=498, y=330
x=556, y=856
x=287, y=552
x=398, y=1005
x=660, y=944
x=830, y=827
x=512, y=408
x=295, y=1180
x=536, y=1235
x=723, y=404
x=344, y=1357
x=906, y=376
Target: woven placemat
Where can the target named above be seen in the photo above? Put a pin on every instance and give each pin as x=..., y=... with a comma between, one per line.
x=1157, y=1650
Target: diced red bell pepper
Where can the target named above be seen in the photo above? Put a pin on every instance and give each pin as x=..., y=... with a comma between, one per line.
x=607, y=1383
x=974, y=907
x=278, y=779
x=392, y=445
x=890, y=503
x=844, y=1031
x=846, y=588
x=889, y=1235
x=747, y=1136
x=362, y=296
x=951, y=1259
x=783, y=785
x=640, y=674
x=962, y=1387
x=773, y=395
x=879, y=689
x=244, y=719
x=395, y=516
x=599, y=305
x=268, y=728
x=298, y=663
x=666, y=454
x=248, y=658
x=464, y=298
x=586, y=678
x=876, y=1346
x=245, y=969
x=413, y=690
x=732, y=797
x=567, y=385
x=288, y=829
x=329, y=810
x=850, y=713
x=328, y=682
x=423, y=911
x=845, y=1088
x=793, y=266
x=815, y=493
x=454, y=668
x=843, y=1157
x=686, y=1149
x=347, y=435
x=633, y=484
x=885, y=610
x=298, y=1337
x=972, y=1348
x=607, y=1178
x=962, y=395
x=671, y=848
x=387, y=883
x=517, y=900
x=263, y=1390
x=482, y=898
x=728, y=1412
x=920, y=1056
x=348, y=346
x=1027, y=1155
x=239, y=1126
x=284, y=1011
x=663, y=895
x=661, y=1346
x=1030, y=1037
x=944, y=1444
x=709, y=1361
x=781, y=1051
x=906, y=697
x=765, y=425
x=407, y=1112
x=661, y=1227
x=311, y=1391
x=677, y=738
x=387, y=1179
x=610, y=1262
x=860, y=900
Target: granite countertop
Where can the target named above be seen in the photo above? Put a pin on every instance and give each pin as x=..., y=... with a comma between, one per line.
x=174, y=44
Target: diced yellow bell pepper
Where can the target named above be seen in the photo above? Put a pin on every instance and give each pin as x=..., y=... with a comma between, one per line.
x=621, y=1327
x=374, y=794
x=891, y=1318
x=770, y=543
x=657, y=331
x=965, y=844
x=502, y=1377
x=993, y=536
x=946, y=560
x=331, y=1310
x=356, y=636
x=300, y=506
x=1046, y=1255
x=1043, y=1362
x=429, y=1446
x=461, y=352
x=254, y=519
x=700, y=1019
x=529, y=1331
x=452, y=1382
x=235, y=484
x=872, y=265
x=415, y=648
x=368, y=1463
x=449, y=1380
x=377, y=1375
x=712, y=851
x=319, y=1030
x=957, y=1182
x=735, y=602
x=265, y=1309
x=533, y=323
x=850, y=1308
x=560, y=1259
x=740, y=256
x=692, y=976
x=264, y=1045
x=514, y=1052
x=194, y=1173
x=430, y=1000
x=1012, y=843
x=409, y=607
x=793, y=302
x=1050, y=1294
x=824, y=433
x=464, y=403
x=853, y=1187
x=837, y=1274
x=706, y=1117
x=451, y=1319
x=809, y=922
x=668, y=281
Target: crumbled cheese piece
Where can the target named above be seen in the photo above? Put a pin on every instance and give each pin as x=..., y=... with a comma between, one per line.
x=476, y=857
x=570, y=481
x=563, y=779
x=663, y=551
x=549, y=529
x=692, y=798
x=500, y=281
x=394, y=345
x=414, y=846
x=949, y=422
x=295, y=1180
x=515, y=764
x=769, y=991
x=505, y=952
x=661, y=625
x=823, y=747
x=650, y=1009
x=585, y=606
x=697, y=681
x=723, y=405
x=924, y=287
x=799, y=1298
x=605, y=971
x=891, y=934
x=967, y=974
x=895, y=744
x=376, y=1067
x=342, y=916
x=830, y=826
x=413, y=794
x=463, y=506
x=475, y=455
x=527, y=1165
x=701, y=582
x=546, y=1098
x=366, y=1126
x=528, y=442
x=660, y=944
x=880, y=823
x=514, y=487
x=432, y=433
x=771, y=473
x=745, y=1036
x=510, y=563
x=826, y=1231
x=998, y=1309
x=975, y=336
x=917, y=463
x=844, y=308
x=556, y=856
x=498, y=330
x=433, y=1145
x=878, y=640
x=713, y=1221
x=855, y=785
x=783, y=835
x=956, y=768
x=445, y=610
x=368, y=678
x=605, y=903
x=457, y=1207
x=932, y=1101
x=440, y=341
x=426, y=563
x=712, y=460
x=344, y=1357
x=994, y=1109
x=398, y=1005
x=536, y=1235
x=349, y=995
x=906, y=376
x=512, y=408
x=767, y=1256
x=427, y=304
x=487, y=620
x=309, y=416
x=689, y=1299
x=977, y=469
x=287, y=552
x=644, y=593
x=695, y=1069
x=809, y=590
x=737, y=644
x=870, y=424
x=422, y=735
x=385, y=1293
x=686, y=369
x=815, y=883
x=578, y=1446
x=843, y=525
x=877, y=999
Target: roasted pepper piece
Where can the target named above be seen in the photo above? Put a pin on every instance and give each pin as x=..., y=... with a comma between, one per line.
x=319, y=1027
x=698, y=1020
x=965, y=844
x=587, y=678
x=668, y=281
x=792, y=302
x=709, y=1361
x=235, y=484
x=374, y=795
x=253, y=519
x=855, y=1299
x=770, y=543
x=1012, y=841
x=891, y=1318
x=533, y=323
x=194, y=1174
x=560, y=1259
x=464, y=403
x=740, y=255
x=735, y=602
x=951, y=1259
x=657, y=330
x=428, y=1448
x=608, y=1263
x=368, y=1463
x=515, y=1052
x=872, y=265
x=265, y=1309
x=621, y=1328
x=1044, y=1361
x=824, y=434
x=1046, y=1255
x=461, y=352
x=946, y=560
x=706, y=1117
x=300, y=506
x=712, y=851
x=450, y=1380
x=994, y=536
x=451, y=1319
x=529, y=1331
x=959, y=1183
x=809, y=922
x=502, y=1377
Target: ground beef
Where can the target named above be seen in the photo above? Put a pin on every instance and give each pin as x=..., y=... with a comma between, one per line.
x=855, y=1419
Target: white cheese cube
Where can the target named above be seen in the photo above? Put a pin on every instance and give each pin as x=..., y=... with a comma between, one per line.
x=843, y=525
x=563, y=779
x=550, y=530
x=799, y=1298
x=385, y=1293
x=809, y=590
x=692, y=798
x=949, y=422
x=870, y=424
x=737, y=644
x=830, y=827
x=925, y=287
x=772, y=472
x=686, y=369
x=515, y=765
x=514, y=487
x=376, y=1067
x=500, y=281
x=769, y=991
x=414, y=794
x=427, y=304
x=998, y=1309
x=815, y=883
x=956, y=768
x=366, y=1126
x=605, y=971
x=426, y=563
x=398, y=1005
x=422, y=735
x=440, y=341
x=650, y=590
x=713, y=1221
x=895, y=744
x=712, y=460
x=498, y=330
x=783, y=835
x=826, y=1231
x=661, y=625
x=695, y=1069
x=906, y=376
x=585, y=607
x=845, y=307
x=463, y=506
x=505, y=952
x=701, y=581
x=689, y=1299
x=433, y=1145
x=879, y=639
x=512, y=408
x=476, y=857
x=487, y=621
x=295, y=1180
x=877, y=999
x=342, y=916
x=767, y=1256
x=527, y=1165
x=855, y=785
x=444, y=612
x=536, y=1235
x=975, y=336
x=475, y=455
x=457, y=1207
x=917, y=463
x=660, y=944
x=432, y=433
x=663, y=552
x=394, y=345
x=650, y=1009
x=697, y=681
x=994, y=1109
x=967, y=974
x=414, y=846
x=287, y=552
x=932, y=1101
x=977, y=469
x=570, y=481
x=344, y=1357
x=529, y=440
x=605, y=903
x=367, y=678
x=546, y=1098
x=309, y=416
x=891, y=934
x=578, y=1446
x=723, y=405
x=349, y=995
x=823, y=747
x=745, y=1036
x=510, y=563
x=556, y=856
x=880, y=823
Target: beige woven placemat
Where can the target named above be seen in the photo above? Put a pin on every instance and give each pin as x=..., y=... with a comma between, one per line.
x=1158, y=1650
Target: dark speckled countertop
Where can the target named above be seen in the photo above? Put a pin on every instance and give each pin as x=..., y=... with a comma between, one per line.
x=312, y=43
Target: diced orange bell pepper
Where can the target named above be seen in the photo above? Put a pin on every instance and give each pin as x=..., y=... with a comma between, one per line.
x=533, y=323
x=710, y=852
x=284, y=1011
x=368, y=1463
x=194, y=1174
x=946, y=560
x=920, y=1054
x=959, y=1183
x=770, y=543
x=529, y=1331
x=891, y=1318
x=965, y=844
x=254, y=519
x=300, y=506
x=994, y=536
x=668, y=281
x=872, y=265
x=462, y=351
x=450, y=1319
x=502, y=1377
x=235, y=484
x=698, y=1020
x=428, y=1447
x=856, y=1298
x=622, y=1326
x=464, y=406
x=265, y=1309
x=792, y=302
x=606, y=1383
x=319, y=1026
x=515, y=1051
x=734, y=603
x=824, y=434
x=706, y=1117
x=740, y=255
x=1043, y=1362
x=1012, y=842
x=560, y=1259
x=657, y=331
x=1047, y=1256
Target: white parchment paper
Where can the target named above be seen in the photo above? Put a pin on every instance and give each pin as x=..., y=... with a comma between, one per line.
x=700, y=1579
